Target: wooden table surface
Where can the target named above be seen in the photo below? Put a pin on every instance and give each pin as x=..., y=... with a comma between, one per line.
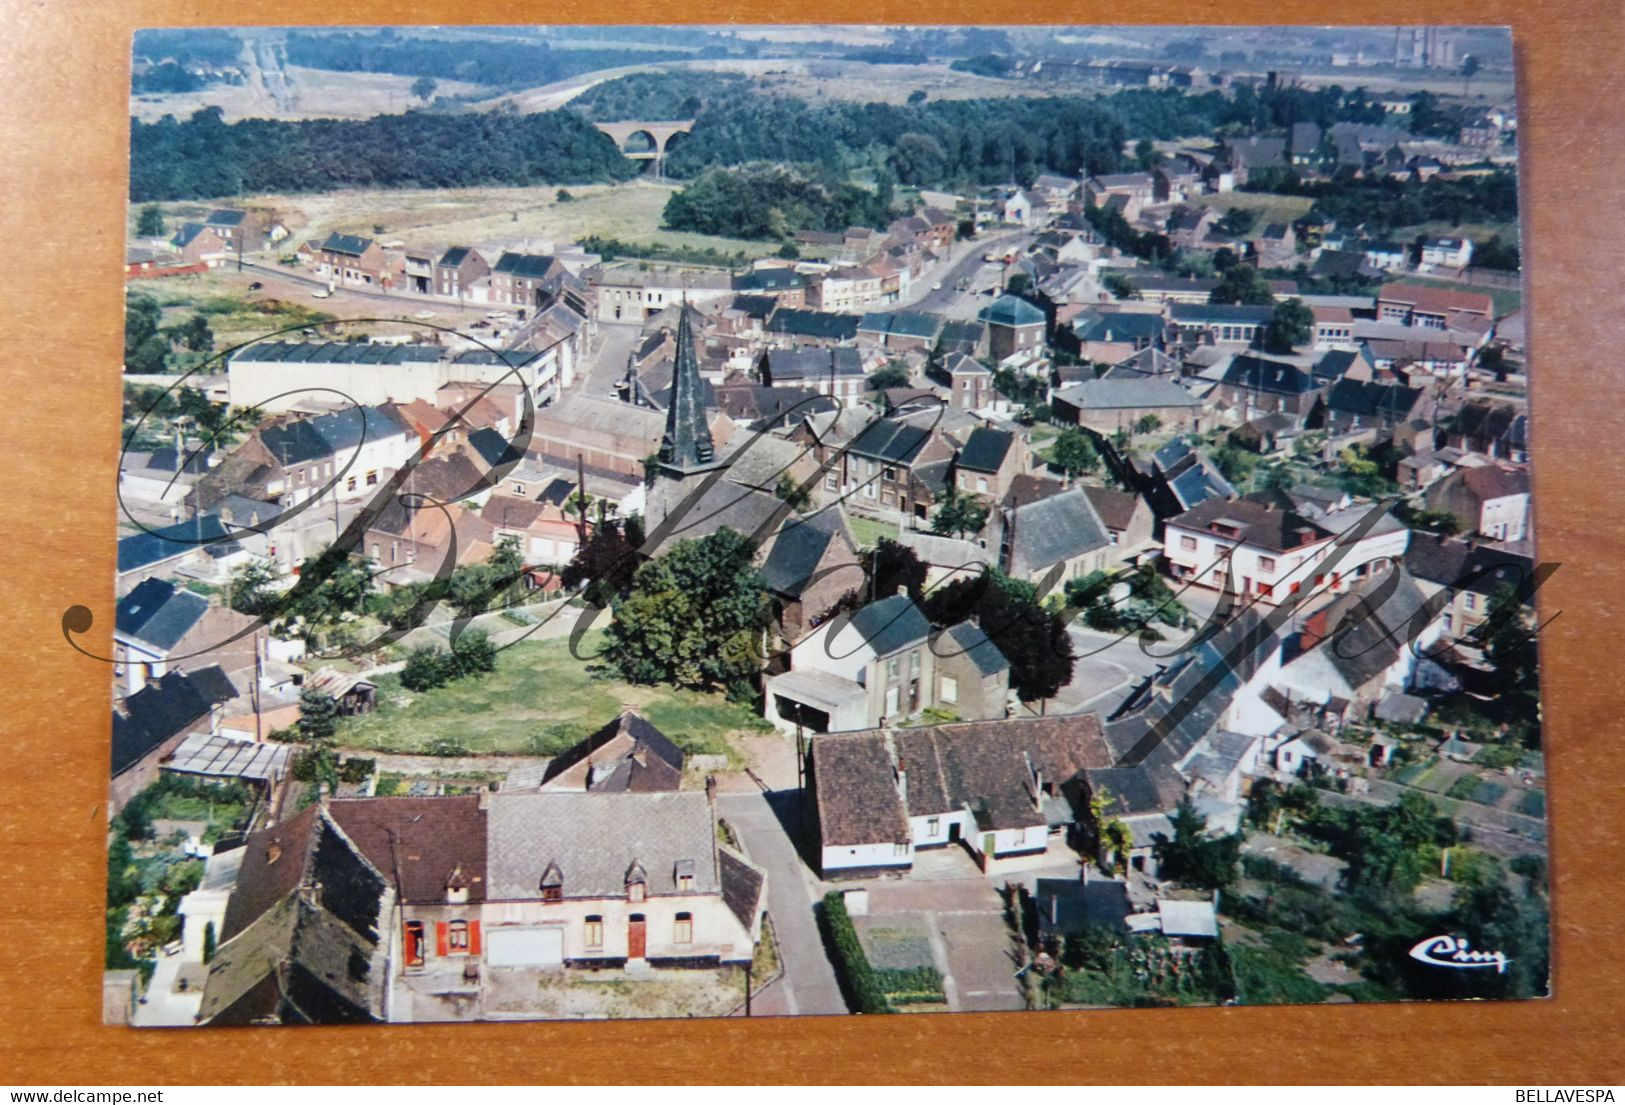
x=63, y=158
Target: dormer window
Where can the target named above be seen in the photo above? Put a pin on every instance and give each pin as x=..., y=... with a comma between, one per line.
x=456, y=887
x=683, y=875
x=552, y=884
x=637, y=883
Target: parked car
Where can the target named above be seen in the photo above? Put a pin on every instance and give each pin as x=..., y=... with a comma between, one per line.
x=255, y=286
x=321, y=293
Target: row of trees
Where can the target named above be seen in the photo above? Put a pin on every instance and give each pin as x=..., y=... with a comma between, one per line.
x=482, y=61
x=151, y=347
x=205, y=156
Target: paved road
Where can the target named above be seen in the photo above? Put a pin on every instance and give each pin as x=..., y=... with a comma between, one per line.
x=809, y=984
x=969, y=261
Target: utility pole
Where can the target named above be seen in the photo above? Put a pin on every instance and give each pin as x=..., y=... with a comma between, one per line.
x=749, y=967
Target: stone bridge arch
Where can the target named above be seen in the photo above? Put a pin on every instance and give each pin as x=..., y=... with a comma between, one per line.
x=644, y=140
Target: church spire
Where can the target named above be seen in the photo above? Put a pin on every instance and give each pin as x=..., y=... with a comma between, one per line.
x=686, y=447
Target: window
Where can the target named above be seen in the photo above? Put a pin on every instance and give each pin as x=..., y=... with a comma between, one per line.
x=682, y=932
x=900, y=849
x=1266, y=564
x=592, y=932
x=1470, y=601
x=891, y=668
x=914, y=662
x=1265, y=589
x=457, y=937
x=636, y=891
x=372, y=478
x=890, y=475
x=1187, y=542
x=552, y=893
x=412, y=941
x=950, y=689
x=349, y=484
x=981, y=484
x=933, y=826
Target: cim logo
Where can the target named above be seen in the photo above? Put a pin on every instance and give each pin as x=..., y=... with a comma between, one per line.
x=1447, y=951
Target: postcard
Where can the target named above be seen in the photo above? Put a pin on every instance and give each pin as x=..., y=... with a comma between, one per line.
x=785, y=520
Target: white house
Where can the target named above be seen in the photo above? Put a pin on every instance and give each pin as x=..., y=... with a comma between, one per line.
x=1272, y=552
x=1446, y=252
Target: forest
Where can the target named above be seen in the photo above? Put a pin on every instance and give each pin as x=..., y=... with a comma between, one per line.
x=189, y=46
x=205, y=157
x=493, y=62
x=771, y=203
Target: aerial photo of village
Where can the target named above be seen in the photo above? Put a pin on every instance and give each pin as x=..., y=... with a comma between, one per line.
x=753, y=521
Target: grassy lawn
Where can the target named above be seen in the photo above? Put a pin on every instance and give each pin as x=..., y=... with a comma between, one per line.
x=867, y=531
x=436, y=219
x=539, y=701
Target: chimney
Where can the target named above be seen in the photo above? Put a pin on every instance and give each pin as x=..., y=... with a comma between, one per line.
x=902, y=782
x=711, y=789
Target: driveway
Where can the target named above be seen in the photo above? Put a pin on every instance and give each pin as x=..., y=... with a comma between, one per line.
x=809, y=984
x=1107, y=667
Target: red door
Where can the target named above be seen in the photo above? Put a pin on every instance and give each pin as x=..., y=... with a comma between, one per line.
x=637, y=943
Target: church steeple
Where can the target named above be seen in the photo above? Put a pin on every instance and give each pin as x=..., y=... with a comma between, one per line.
x=686, y=447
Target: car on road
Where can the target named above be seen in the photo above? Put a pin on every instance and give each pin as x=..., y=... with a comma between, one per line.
x=321, y=293
x=937, y=287
x=255, y=286
x=424, y=314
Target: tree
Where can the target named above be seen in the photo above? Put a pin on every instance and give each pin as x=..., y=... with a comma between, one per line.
x=1192, y=855
x=1290, y=326
x=564, y=195
x=1074, y=453
x=891, y=566
x=958, y=515
x=606, y=561
x=250, y=589
x=423, y=88
x=426, y=668
x=918, y=96
x=318, y=715
x=889, y=375
x=1033, y=640
x=1242, y=284
x=789, y=251
x=1147, y=424
x=693, y=617
x=1120, y=286
x=472, y=653
x=150, y=224
x=791, y=491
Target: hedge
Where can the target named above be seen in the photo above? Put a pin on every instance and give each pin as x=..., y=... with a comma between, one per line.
x=858, y=981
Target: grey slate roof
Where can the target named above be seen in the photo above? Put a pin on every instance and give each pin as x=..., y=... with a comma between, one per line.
x=158, y=613
x=1260, y=374
x=163, y=708
x=1127, y=392
x=890, y=439
x=986, y=449
x=1053, y=530
x=813, y=324
x=891, y=624
x=337, y=352
x=1369, y=399
x=1195, y=314
x=595, y=839
x=686, y=446
x=453, y=257
x=139, y=550
x=966, y=639
x=1010, y=310
x=1118, y=326
x=799, y=546
x=349, y=244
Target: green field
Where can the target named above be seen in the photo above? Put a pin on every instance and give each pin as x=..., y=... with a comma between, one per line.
x=539, y=701
x=867, y=531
